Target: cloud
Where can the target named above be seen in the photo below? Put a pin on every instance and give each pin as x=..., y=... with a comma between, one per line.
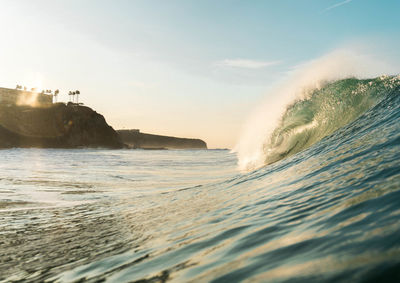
x=337, y=5
x=246, y=63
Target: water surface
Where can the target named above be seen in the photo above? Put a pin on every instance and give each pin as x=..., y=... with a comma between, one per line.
x=329, y=213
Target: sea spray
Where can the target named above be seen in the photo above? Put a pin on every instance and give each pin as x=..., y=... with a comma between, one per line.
x=253, y=148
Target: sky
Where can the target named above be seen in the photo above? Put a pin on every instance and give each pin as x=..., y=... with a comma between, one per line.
x=183, y=68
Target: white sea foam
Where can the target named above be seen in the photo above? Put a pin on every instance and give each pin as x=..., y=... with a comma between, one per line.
x=336, y=65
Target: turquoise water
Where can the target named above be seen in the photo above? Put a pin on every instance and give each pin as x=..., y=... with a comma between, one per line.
x=327, y=213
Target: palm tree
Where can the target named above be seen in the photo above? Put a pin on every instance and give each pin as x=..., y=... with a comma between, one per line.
x=69, y=93
x=49, y=92
x=77, y=95
x=56, y=92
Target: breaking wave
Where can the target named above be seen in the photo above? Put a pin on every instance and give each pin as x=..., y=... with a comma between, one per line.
x=325, y=110
x=324, y=96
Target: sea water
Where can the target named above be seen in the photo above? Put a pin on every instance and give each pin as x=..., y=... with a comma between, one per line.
x=326, y=210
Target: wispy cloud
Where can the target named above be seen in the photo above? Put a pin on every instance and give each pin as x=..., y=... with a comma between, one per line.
x=337, y=5
x=246, y=63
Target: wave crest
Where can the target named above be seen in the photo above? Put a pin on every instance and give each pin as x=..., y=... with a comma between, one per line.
x=321, y=97
x=307, y=121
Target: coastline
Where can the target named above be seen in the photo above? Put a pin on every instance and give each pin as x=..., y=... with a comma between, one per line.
x=71, y=126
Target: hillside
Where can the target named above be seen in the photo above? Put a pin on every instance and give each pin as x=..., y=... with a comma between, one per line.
x=57, y=126
x=136, y=139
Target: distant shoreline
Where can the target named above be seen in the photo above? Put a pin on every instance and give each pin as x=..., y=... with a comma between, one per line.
x=135, y=139
x=71, y=126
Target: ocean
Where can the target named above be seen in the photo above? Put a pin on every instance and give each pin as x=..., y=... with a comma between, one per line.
x=324, y=205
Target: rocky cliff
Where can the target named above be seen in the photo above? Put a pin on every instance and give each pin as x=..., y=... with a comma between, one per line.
x=57, y=126
x=136, y=139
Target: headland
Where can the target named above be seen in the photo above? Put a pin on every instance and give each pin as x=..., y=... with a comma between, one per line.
x=136, y=139
x=31, y=119
x=55, y=126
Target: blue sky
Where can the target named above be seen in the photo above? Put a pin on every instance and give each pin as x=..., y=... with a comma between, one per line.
x=184, y=68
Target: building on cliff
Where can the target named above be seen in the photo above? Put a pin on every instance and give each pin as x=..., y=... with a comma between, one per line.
x=22, y=97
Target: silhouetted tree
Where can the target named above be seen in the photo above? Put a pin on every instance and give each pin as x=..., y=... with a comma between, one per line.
x=77, y=92
x=56, y=92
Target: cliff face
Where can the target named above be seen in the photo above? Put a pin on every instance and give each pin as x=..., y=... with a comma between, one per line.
x=57, y=126
x=135, y=139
